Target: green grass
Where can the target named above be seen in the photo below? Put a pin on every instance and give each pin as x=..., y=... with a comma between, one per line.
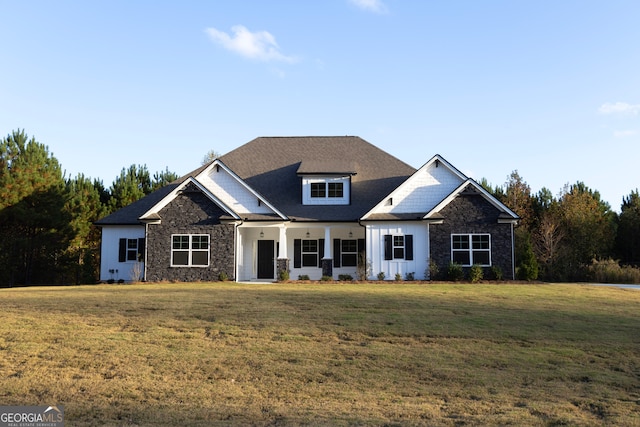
x=324, y=354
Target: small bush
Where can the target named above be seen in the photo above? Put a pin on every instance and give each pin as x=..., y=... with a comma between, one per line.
x=432, y=271
x=496, y=272
x=363, y=270
x=475, y=273
x=455, y=272
x=381, y=275
x=303, y=277
x=410, y=277
x=345, y=277
x=398, y=277
x=223, y=276
x=283, y=275
x=326, y=278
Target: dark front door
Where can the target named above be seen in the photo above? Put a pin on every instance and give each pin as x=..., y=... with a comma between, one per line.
x=265, y=259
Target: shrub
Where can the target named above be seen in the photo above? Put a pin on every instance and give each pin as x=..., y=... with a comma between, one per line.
x=528, y=264
x=496, y=272
x=609, y=271
x=410, y=277
x=381, y=275
x=303, y=277
x=363, y=270
x=283, y=275
x=345, y=277
x=223, y=276
x=475, y=273
x=326, y=278
x=432, y=271
x=455, y=272
x=398, y=277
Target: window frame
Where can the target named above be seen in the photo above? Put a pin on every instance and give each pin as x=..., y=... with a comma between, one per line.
x=398, y=248
x=471, y=244
x=326, y=190
x=193, y=243
x=132, y=250
x=307, y=254
x=350, y=254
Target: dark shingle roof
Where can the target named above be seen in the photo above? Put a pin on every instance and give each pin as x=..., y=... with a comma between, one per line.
x=271, y=165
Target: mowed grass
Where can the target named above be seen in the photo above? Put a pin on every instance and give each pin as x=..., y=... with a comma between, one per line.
x=324, y=354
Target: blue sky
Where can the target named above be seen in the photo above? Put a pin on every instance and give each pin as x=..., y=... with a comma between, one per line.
x=548, y=88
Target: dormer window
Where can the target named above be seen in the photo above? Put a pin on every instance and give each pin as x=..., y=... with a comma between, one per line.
x=325, y=190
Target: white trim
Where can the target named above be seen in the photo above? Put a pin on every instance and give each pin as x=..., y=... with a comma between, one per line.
x=470, y=250
x=487, y=196
x=190, y=251
x=171, y=196
x=437, y=159
x=217, y=162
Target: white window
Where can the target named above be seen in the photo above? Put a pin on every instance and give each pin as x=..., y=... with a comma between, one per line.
x=470, y=249
x=190, y=250
x=132, y=250
x=325, y=190
x=398, y=247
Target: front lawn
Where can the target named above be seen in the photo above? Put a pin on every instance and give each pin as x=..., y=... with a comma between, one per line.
x=324, y=354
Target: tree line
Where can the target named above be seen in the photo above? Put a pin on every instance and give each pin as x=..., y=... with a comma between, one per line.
x=575, y=236
x=47, y=234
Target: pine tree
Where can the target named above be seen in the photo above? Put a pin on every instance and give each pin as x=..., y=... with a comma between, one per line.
x=33, y=225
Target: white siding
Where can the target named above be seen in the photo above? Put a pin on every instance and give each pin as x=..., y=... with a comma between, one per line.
x=111, y=236
x=423, y=191
x=375, y=249
x=232, y=193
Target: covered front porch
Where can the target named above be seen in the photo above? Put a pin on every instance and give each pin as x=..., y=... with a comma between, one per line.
x=313, y=250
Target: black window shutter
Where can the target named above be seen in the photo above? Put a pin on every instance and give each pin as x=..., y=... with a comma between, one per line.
x=122, y=253
x=320, y=252
x=140, y=254
x=388, y=247
x=336, y=252
x=408, y=247
x=297, y=253
x=360, y=245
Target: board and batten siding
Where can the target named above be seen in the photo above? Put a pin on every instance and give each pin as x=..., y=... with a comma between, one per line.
x=110, y=266
x=375, y=242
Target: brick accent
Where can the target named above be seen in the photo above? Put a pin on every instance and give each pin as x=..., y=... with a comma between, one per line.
x=282, y=264
x=471, y=213
x=327, y=267
x=191, y=212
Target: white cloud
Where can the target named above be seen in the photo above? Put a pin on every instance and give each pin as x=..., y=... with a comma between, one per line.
x=375, y=6
x=260, y=45
x=619, y=108
x=624, y=133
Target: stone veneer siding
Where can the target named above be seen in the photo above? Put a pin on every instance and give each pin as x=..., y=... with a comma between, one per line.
x=190, y=213
x=472, y=214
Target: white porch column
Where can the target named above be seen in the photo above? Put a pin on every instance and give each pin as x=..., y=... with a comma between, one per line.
x=282, y=238
x=327, y=244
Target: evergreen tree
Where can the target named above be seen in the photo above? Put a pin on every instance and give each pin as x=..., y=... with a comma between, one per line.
x=132, y=184
x=628, y=236
x=160, y=179
x=84, y=206
x=589, y=228
x=33, y=225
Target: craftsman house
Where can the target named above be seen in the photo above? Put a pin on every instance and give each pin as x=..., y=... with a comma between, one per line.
x=313, y=206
